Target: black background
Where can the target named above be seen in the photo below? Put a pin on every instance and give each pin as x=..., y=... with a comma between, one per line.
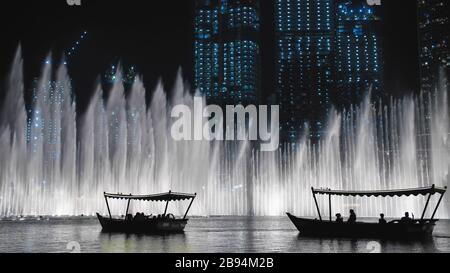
x=164, y=262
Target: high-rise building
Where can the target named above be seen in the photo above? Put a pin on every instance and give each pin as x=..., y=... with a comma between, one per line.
x=358, y=54
x=227, y=50
x=304, y=33
x=434, y=38
x=327, y=51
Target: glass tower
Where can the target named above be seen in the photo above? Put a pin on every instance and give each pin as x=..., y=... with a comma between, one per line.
x=326, y=50
x=227, y=50
x=304, y=31
x=358, y=63
x=434, y=38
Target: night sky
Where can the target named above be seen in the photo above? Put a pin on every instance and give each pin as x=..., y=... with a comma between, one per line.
x=157, y=37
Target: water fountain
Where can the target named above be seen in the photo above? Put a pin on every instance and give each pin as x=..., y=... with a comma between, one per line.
x=53, y=162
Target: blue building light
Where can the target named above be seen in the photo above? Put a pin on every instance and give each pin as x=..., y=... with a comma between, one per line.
x=227, y=70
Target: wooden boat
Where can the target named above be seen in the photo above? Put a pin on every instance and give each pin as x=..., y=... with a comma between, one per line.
x=163, y=223
x=401, y=229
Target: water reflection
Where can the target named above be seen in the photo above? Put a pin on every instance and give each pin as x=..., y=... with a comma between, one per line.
x=141, y=243
x=202, y=235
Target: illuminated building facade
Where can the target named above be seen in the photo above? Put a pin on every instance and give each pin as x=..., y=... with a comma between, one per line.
x=227, y=51
x=434, y=38
x=304, y=31
x=358, y=63
x=327, y=51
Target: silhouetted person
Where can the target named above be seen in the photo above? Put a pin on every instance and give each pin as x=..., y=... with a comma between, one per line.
x=339, y=218
x=129, y=217
x=139, y=216
x=382, y=220
x=406, y=219
x=352, y=217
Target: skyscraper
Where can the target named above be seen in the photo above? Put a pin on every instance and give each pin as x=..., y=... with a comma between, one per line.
x=227, y=50
x=358, y=58
x=304, y=31
x=434, y=38
x=327, y=51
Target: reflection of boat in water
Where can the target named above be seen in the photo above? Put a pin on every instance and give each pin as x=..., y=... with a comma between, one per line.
x=394, y=229
x=165, y=223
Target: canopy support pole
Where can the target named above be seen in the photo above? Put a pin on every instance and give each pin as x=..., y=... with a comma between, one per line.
x=190, y=204
x=426, y=206
x=107, y=205
x=329, y=206
x=437, y=206
x=315, y=201
x=128, y=206
x=167, y=204
x=165, y=210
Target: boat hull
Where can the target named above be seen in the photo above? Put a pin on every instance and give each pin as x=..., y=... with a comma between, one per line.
x=143, y=226
x=394, y=230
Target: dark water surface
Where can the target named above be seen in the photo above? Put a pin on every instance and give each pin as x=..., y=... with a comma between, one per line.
x=221, y=234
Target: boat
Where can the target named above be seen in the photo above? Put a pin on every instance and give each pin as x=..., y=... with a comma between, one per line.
x=401, y=229
x=163, y=223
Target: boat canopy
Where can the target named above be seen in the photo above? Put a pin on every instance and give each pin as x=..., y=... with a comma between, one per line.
x=168, y=196
x=383, y=193
x=163, y=197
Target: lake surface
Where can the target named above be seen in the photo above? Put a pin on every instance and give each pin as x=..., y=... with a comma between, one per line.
x=210, y=235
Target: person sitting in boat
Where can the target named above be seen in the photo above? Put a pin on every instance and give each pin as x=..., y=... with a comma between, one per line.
x=406, y=219
x=129, y=217
x=352, y=217
x=339, y=218
x=139, y=216
x=382, y=220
